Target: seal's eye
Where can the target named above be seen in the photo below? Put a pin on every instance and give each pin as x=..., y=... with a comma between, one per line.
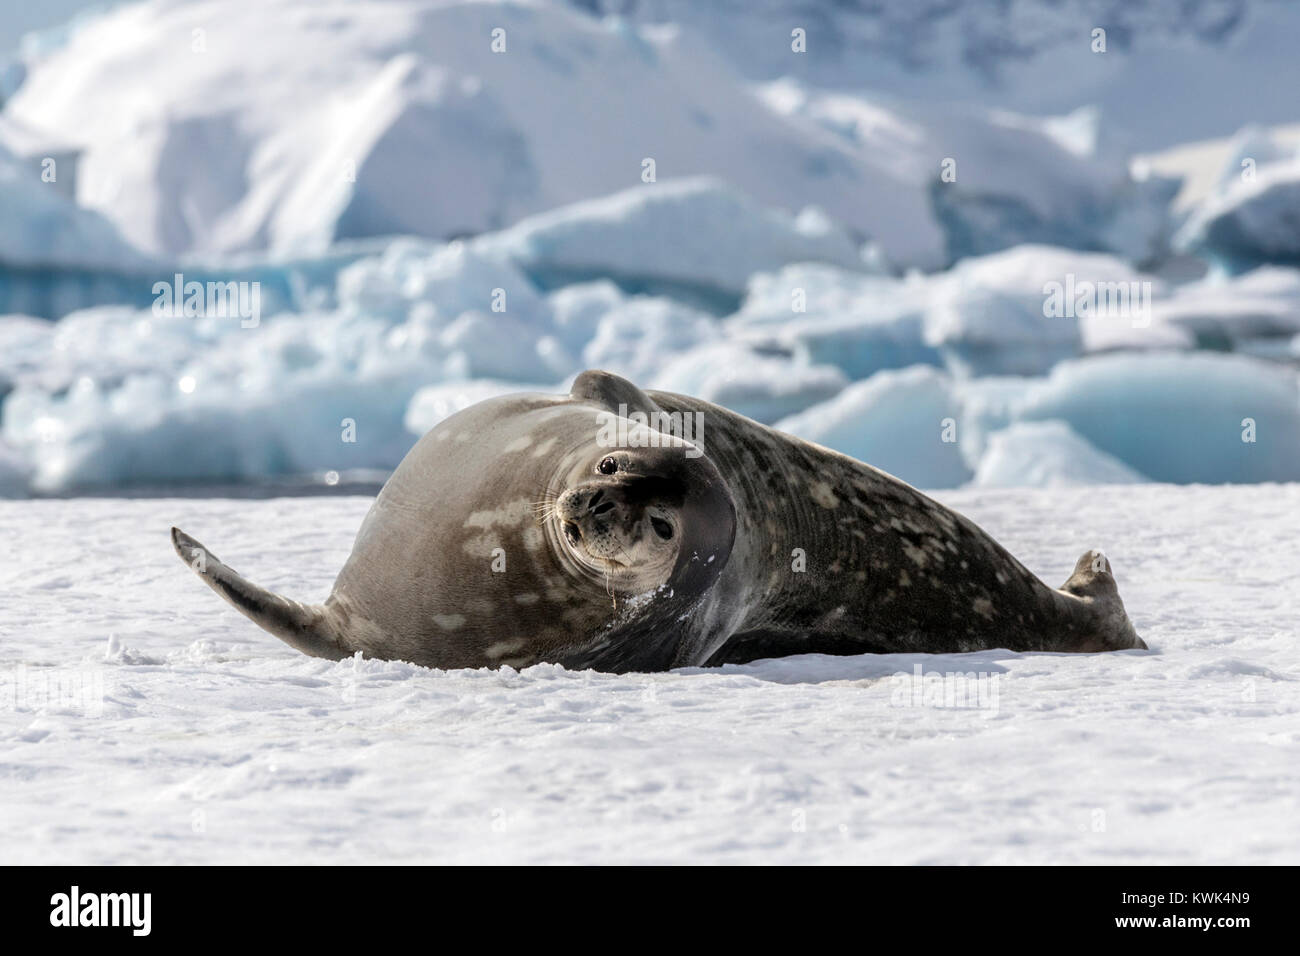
x=662, y=528
x=608, y=465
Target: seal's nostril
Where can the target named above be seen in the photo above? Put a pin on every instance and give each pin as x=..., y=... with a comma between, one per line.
x=596, y=498
x=603, y=508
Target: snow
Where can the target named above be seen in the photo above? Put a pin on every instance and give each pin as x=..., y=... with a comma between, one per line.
x=1015, y=312
x=212, y=742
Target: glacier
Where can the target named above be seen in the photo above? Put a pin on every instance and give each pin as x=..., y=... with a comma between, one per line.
x=446, y=119
x=456, y=213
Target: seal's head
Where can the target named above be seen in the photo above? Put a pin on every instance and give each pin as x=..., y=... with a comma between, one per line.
x=642, y=518
x=452, y=569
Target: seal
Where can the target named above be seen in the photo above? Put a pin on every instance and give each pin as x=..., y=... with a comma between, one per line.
x=622, y=530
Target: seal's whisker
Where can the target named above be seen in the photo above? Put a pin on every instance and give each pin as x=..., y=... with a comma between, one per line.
x=544, y=509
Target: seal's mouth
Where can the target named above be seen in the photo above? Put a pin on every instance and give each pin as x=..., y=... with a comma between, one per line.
x=573, y=534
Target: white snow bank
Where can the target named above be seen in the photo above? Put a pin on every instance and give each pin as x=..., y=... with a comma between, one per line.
x=248, y=752
x=116, y=395
x=903, y=422
x=1047, y=454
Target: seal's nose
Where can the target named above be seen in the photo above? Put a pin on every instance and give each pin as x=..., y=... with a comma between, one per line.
x=597, y=505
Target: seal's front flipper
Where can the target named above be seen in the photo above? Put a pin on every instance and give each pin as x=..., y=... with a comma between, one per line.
x=1093, y=582
x=308, y=628
x=611, y=392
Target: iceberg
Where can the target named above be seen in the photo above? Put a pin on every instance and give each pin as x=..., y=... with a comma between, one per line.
x=991, y=179
x=1231, y=312
x=1180, y=417
x=761, y=386
x=904, y=422
x=1250, y=222
x=1248, y=216
x=641, y=334
x=694, y=235
x=1015, y=312
x=1047, y=454
x=828, y=315
x=54, y=255
x=578, y=309
x=1019, y=312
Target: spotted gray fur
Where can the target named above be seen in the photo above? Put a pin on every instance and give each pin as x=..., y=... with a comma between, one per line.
x=483, y=551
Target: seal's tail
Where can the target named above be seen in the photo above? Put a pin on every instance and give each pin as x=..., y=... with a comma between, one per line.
x=309, y=628
x=1094, y=582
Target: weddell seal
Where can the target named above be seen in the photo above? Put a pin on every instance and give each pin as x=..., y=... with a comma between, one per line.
x=622, y=530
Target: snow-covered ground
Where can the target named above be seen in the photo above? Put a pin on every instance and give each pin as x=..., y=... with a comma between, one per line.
x=144, y=721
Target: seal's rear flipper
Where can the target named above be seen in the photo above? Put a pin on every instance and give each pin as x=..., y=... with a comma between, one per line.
x=1094, y=582
x=309, y=628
